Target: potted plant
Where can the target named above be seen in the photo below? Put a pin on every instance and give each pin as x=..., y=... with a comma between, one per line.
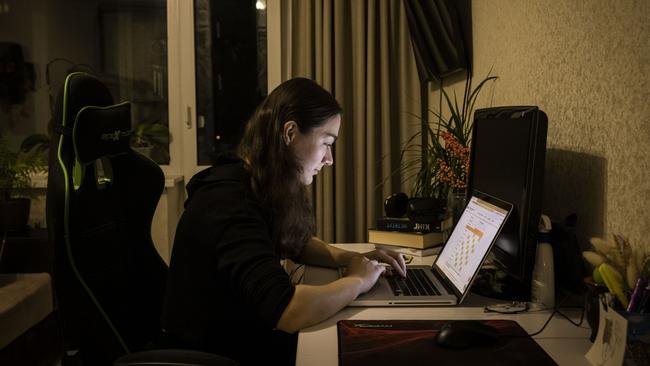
x=618, y=268
x=39, y=143
x=16, y=168
x=444, y=171
x=151, y=138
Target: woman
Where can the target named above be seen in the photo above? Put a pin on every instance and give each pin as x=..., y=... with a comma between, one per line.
x=227, y=291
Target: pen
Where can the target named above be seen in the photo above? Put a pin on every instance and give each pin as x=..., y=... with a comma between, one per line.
x=637, y=294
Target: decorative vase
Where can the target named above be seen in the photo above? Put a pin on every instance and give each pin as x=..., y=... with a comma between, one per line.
x=426, y=209
x=456, y=202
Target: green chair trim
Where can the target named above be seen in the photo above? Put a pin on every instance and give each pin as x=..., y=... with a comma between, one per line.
x=66, y=216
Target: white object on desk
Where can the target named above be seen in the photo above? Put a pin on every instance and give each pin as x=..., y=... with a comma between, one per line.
x=543, y=283
x=564, y=342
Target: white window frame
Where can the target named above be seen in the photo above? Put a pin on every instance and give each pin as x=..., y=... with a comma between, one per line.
x=180, y=56
x=182, y=81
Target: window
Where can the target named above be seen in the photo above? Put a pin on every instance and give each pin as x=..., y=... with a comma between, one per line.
x=121, y=42
x=231, y=72
x=193, y=70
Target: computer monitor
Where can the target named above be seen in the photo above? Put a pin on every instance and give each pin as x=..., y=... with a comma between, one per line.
x=507, y=161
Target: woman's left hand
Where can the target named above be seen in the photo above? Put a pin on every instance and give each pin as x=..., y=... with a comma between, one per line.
x=394, y=259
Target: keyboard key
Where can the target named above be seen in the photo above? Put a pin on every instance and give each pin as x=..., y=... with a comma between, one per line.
x=415, y=283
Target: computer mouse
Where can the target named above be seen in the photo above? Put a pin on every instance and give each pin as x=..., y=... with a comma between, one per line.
x=461, y=334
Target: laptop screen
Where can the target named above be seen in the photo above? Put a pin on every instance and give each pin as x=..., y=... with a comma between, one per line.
x=471, y=240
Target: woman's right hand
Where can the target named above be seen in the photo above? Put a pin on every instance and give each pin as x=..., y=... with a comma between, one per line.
x=368, y=271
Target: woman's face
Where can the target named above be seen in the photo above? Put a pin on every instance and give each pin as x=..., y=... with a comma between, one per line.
x=314, y=148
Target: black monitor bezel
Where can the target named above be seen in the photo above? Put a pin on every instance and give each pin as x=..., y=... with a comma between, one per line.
x=520, y=267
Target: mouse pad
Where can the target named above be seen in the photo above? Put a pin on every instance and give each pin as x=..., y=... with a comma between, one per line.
x=413, y=343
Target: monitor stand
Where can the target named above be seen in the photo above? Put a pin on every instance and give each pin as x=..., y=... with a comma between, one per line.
x=495, y=283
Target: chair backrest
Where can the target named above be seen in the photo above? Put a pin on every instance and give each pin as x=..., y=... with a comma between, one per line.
x=101, y=197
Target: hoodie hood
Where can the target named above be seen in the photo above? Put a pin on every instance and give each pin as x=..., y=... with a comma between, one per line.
x=228, y=167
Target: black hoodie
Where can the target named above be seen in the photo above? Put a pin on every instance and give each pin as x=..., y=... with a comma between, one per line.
x=227, y=289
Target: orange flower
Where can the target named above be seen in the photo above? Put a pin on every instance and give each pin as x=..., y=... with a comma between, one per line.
x=453, y=166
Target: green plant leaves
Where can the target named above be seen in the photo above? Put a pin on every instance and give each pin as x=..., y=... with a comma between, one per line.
x=153, y=134
x=38, y=141
x=16, y=168
x=431, y=180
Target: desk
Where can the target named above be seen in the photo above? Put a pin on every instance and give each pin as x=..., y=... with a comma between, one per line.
x=564, y=342
x=28, y=252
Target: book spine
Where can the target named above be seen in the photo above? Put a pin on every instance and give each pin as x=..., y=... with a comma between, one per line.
x=397, y=224
x=402, y=239
x=411, y=251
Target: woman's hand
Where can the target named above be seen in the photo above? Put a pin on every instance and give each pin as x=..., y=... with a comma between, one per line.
x=367, y=270
x=394, y=259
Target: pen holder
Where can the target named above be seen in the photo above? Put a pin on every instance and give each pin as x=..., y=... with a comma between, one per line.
x=637, y=350
x=592, y=305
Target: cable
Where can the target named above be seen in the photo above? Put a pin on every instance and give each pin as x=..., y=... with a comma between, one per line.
x=557, y=310
x=582, y=316
x=543, y=326
x=522, y=307
x=301, y=277
x=294, y=271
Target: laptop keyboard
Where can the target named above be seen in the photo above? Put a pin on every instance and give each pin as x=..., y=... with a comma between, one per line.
x=416, y=283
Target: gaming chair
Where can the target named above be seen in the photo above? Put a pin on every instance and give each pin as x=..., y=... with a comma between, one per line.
x=101, y=196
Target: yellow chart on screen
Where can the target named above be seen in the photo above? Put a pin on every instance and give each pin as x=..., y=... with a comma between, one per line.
x=470, y=238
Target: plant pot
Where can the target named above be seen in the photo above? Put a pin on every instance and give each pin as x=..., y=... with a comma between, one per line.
x=456, y=203
x=14, y=214
x=426, y=209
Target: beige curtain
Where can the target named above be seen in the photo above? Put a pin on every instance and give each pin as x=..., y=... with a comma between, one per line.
x=359, y=50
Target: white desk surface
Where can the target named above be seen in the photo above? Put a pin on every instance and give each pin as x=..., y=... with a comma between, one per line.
x=564, y=342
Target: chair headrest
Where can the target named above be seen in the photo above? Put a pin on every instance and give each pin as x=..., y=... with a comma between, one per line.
x=101, y=131
x=79, y=90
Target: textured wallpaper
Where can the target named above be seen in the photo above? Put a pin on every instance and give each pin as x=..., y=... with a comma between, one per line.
x=586, y=63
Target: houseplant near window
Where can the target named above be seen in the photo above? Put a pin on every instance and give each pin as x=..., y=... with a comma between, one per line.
x=152, y=140
x=444, y=171
x=16, y=168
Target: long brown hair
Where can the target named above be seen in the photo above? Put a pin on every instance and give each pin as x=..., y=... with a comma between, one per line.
x=275, y=169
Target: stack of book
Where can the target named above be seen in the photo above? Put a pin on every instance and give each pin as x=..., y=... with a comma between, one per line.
x=413, y=238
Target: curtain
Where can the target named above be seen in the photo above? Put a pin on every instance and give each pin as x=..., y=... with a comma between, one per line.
x=359, y=50
x=441, y=35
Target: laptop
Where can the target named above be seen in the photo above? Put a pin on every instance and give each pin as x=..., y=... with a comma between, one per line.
x=448, y=280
